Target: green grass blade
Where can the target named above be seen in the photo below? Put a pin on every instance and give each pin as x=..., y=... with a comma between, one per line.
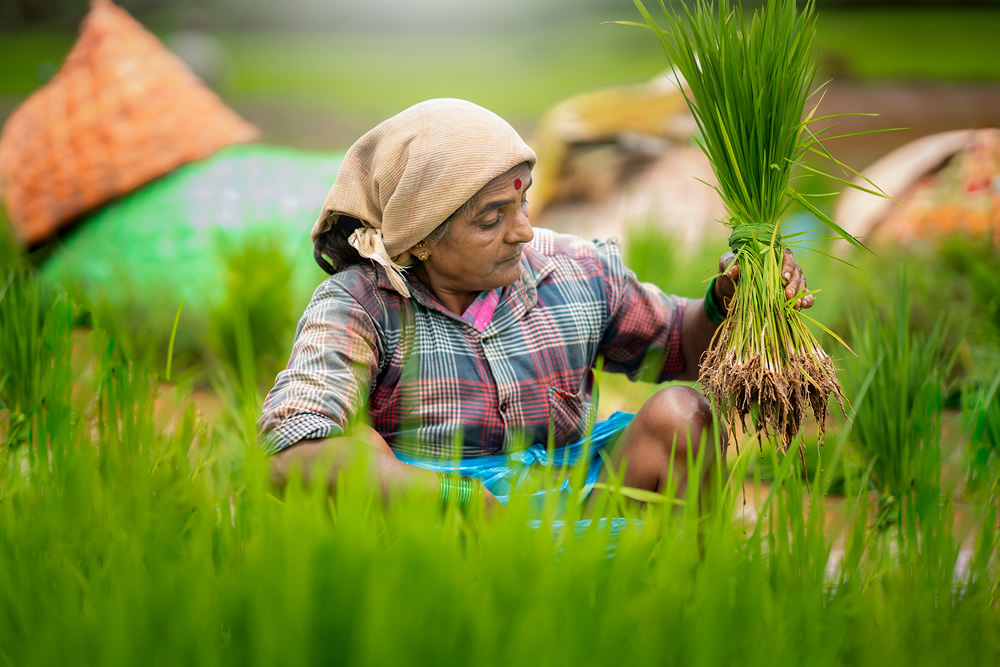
x=173, y=337
x=829, y=221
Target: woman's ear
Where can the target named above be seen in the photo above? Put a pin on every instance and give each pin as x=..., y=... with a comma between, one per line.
x=420, y=251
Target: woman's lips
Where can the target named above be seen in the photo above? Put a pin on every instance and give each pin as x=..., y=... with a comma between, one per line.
x=516, y=258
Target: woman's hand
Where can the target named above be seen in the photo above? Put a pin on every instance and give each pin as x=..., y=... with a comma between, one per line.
x=791, y=274
x=491, y=505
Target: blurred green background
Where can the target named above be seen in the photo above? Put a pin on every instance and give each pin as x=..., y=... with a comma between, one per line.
x=318, y=73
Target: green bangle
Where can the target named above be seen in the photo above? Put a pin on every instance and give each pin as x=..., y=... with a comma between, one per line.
x=465, y=491
x=712, y=311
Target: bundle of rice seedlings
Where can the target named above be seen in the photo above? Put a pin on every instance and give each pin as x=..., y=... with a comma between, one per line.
x=749, y=83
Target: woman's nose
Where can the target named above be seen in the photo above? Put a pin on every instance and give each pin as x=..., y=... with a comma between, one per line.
x=520, y=230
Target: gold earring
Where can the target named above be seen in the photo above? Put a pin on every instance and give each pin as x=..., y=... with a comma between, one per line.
x=423, y=257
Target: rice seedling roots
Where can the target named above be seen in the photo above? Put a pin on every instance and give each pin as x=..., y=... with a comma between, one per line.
x=775, y=396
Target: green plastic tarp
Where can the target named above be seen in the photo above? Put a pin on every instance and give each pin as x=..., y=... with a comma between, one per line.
x=169, y=239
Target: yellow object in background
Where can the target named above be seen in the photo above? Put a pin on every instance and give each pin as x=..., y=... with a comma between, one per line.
x=635, y=117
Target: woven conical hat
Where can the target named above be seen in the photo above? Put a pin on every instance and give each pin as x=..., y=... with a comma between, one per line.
x=121, y=111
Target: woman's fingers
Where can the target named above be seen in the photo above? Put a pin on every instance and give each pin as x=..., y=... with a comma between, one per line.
x=795, y=280
x=725, y=285
x=728, y=267
x=789, y=271
x=791, y=275
x=803, y=300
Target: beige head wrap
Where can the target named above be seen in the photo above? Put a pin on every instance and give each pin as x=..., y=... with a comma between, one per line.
x=411, y=172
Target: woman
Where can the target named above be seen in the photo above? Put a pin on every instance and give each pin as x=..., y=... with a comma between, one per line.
x=451, y=320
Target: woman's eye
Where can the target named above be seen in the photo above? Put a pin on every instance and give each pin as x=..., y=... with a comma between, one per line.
x=492, y=223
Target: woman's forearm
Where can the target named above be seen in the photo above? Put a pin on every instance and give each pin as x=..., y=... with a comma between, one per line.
x=329, y=457
x=696, y=335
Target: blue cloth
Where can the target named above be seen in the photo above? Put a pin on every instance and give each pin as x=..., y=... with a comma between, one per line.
x=612, y=527
x=505, y=474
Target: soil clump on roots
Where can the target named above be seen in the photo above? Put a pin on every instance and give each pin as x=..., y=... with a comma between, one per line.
x=776, y=396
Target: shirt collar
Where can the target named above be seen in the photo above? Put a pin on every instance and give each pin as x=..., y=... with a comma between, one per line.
x=516, y=300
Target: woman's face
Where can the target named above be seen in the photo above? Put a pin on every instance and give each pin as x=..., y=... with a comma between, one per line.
x=481, y=250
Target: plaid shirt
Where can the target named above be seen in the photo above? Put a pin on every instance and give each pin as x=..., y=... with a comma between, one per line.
x=430, y=379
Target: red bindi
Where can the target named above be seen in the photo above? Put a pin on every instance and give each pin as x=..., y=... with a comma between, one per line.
x=517, y=183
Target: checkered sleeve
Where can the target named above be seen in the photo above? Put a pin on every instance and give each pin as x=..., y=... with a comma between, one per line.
x=642, y=337
x=333, y=364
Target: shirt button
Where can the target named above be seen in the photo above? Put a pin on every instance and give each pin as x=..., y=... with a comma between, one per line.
x=503, y=407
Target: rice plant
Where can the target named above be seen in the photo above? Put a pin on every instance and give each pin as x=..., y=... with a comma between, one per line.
x=150, y=540
x=750, y=81
x=897, y=425
x=253, y=324
x=981, y=408
x=36, y=323
x=135, y=531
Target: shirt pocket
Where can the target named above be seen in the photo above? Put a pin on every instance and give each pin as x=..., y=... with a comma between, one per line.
x=568, y=415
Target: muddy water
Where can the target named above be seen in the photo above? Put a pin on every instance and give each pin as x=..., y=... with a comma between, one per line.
x=923, y=108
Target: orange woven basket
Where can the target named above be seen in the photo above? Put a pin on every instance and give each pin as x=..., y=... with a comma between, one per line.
x=121, y=111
